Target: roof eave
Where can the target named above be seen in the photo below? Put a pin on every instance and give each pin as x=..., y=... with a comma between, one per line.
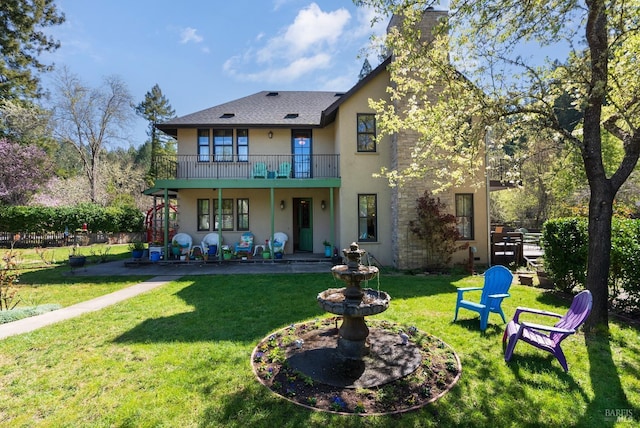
x=329, y=114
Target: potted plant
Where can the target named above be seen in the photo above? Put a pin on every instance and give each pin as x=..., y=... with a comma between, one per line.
x=327, y=248
x=226, y=252
x=76, y=259
x=137, y=249
x=175, y=249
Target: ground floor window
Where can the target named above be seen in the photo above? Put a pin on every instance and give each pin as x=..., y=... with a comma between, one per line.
x=204, y=214
x=367, y=217
x=226, y=219
x=243, y=214
x=464, y=214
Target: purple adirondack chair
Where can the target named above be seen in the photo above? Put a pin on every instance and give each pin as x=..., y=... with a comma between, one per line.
x=545, y=337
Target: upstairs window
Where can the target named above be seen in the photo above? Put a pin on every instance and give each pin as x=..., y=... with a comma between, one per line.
x=366, y=127
x=464, y=215
x=203, y=145
x=223, y=145
x=367, y=218
x=242, y=144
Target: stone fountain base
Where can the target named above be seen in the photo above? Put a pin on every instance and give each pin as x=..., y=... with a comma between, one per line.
x=387, y=360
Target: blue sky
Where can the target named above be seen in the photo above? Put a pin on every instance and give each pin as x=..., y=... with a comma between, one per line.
x=204, y=53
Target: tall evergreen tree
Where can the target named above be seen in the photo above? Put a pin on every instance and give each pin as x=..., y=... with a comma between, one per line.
x=155, y=109
x=365, y=70
x=22, y=39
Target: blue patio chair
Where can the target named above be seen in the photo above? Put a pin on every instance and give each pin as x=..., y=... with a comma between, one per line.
x=260, y=170
x=497, y=281
x=246, y=243
x=284, y=171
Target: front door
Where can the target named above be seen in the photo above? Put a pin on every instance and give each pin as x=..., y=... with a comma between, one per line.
x=303, y=225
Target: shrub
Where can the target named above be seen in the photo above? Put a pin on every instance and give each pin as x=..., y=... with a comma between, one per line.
x=26, y=312
x=624, y=273
x=437, y=228
x=565, y=247
x=46, y=219
x=565, y=243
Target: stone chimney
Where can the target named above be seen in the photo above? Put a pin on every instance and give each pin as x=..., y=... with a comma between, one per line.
x=409, y=252
x=430, y=19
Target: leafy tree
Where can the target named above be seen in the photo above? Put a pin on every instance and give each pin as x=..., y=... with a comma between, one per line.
x=91, y=119
x=155, y=109
x=23, y=170
x=22, y=39
x=26, y=123
x=479, y=61
x=122, y=180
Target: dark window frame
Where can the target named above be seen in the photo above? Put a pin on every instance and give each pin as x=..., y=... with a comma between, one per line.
x=367, y=220
x=465, y=215
x=203, y=155
x=227, y=214
x=223, y=145
x=368, y=133
x=242, y=214
x=242, y=141
x=202, y=213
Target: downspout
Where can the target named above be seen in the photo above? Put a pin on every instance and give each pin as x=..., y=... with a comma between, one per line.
x=166, y=224
x=332, y=227
x=273, y=215
x=219, y=225
x=487, y=141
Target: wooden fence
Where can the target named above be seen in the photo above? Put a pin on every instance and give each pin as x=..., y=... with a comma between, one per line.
x=60, y=239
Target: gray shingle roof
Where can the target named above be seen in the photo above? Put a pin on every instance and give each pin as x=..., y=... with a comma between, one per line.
x=266, y=108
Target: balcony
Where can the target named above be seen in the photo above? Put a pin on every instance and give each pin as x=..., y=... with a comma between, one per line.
x=503, y=174
x=187, y=167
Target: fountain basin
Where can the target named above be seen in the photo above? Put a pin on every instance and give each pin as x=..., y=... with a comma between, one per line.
x=334, y=301
x=355, y=274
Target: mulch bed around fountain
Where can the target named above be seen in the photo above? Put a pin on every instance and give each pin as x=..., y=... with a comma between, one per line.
x=432, y=368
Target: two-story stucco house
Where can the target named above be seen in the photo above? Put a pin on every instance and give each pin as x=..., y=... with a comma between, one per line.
x=302, y=163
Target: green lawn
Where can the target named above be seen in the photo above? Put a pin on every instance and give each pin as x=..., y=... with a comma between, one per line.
x=46, y=277
x=178, y=356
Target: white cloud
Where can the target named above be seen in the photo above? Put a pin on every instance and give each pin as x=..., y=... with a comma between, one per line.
x=190, y=35
x=277, y=4
x=299, y=49
x=291, y=71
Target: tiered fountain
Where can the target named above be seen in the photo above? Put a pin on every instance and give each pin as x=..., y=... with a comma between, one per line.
x=352, y=356
x=353, y=303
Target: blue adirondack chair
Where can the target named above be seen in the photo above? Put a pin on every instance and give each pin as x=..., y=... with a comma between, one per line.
x=284, y=171
x=497, y=281
x=260, y=170
x=548, y=338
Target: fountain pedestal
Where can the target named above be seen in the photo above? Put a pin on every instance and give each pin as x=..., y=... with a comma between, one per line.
x=352, y=340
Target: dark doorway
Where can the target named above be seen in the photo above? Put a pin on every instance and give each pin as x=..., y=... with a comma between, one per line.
x=302, y=225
